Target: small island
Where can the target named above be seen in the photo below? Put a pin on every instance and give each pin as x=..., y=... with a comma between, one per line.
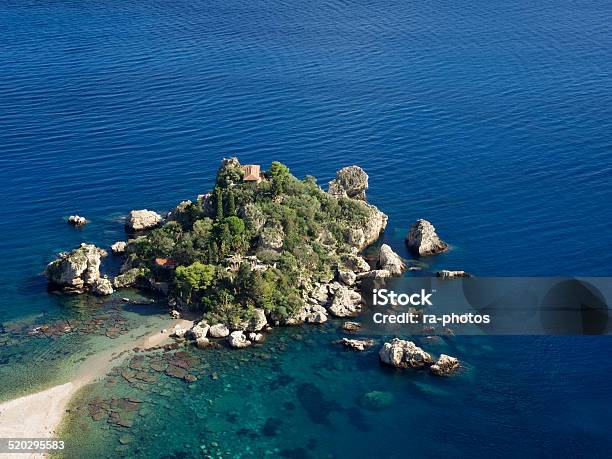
x=262, y=249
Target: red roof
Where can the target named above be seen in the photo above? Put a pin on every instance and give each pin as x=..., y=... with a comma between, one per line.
x=252, y=172
x=165, y=262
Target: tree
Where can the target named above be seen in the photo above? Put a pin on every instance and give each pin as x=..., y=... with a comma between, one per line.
x=193, y=279
x=219, y=200
x=279, y=174
x=231, y=204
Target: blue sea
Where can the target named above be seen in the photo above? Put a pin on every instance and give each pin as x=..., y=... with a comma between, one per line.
x=492, y=119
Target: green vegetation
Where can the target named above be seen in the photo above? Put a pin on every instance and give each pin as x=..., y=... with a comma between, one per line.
x=251, y=245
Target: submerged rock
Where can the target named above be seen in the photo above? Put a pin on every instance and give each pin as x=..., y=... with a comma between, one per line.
x=404, y=354
x=390, y=261
x=444, y=366
x=422, y=239
x=77, y=220
x=237, y=340
x=351, y=182
x=78, y=270
x=446, y=274
x=346, y=302
x=201, y=343
x=376, y=400
x=140, y=220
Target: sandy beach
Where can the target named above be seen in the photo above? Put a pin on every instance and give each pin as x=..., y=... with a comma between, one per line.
x=38, y=415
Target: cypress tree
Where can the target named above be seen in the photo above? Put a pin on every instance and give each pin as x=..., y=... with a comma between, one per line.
x=231, y=205
x=219, y=199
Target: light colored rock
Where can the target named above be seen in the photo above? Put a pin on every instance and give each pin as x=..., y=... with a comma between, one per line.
x=374, y=275
x=199, y=330
x=218, y=331
x=347, y=277
x=422, y=239
x=118, y=247
x=237, y=340
x=375, y=224
x=140, y=220
x=77, y=220
x=256, y=337
x=175, y=314
x=389, y=260
x=102, y=287
x=446, y=274
x=351, y=326
x=127, y=279
x=257, y=322
x=445, y=365
x=76, y=271
x=253, y=216
x=320, y=294
x=357, y=344
x=404, y=354
x=346, y=302
x=202, y=343
x=271, y=237
x=313, y=314
x=178, y=212
x=355, y=263
x=351, y=182
x=178, y=331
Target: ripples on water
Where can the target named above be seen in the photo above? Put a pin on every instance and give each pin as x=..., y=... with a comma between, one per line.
x=491, y=119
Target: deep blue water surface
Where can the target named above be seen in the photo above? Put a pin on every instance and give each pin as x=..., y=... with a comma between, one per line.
x=492, y=119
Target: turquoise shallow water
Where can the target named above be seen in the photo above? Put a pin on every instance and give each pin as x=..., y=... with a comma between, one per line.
x=491, y=119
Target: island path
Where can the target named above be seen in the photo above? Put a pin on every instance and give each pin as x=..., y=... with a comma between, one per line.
x=38, y=415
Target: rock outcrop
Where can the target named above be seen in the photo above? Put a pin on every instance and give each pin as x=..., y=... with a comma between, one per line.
x=257, y=322
x=271, y=237
x=404, y=354
x=351, y=326
x=76, y=271
x=218, y=331
x=445, y=365
x=346, y=302
x=118, y=248
x=357, y=344
x=313, y=314
x=446, y=274
x=351, y=182
x=128, y=278
x=199, y=330
x=347, y=277
x=390, y=261
x=77, y=220
x=140, y=220
x=355, y=263
x=102, y=287
x=422, y=239
x=238, y=340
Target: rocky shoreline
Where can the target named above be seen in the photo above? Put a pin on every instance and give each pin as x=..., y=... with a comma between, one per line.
x=334, y=295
